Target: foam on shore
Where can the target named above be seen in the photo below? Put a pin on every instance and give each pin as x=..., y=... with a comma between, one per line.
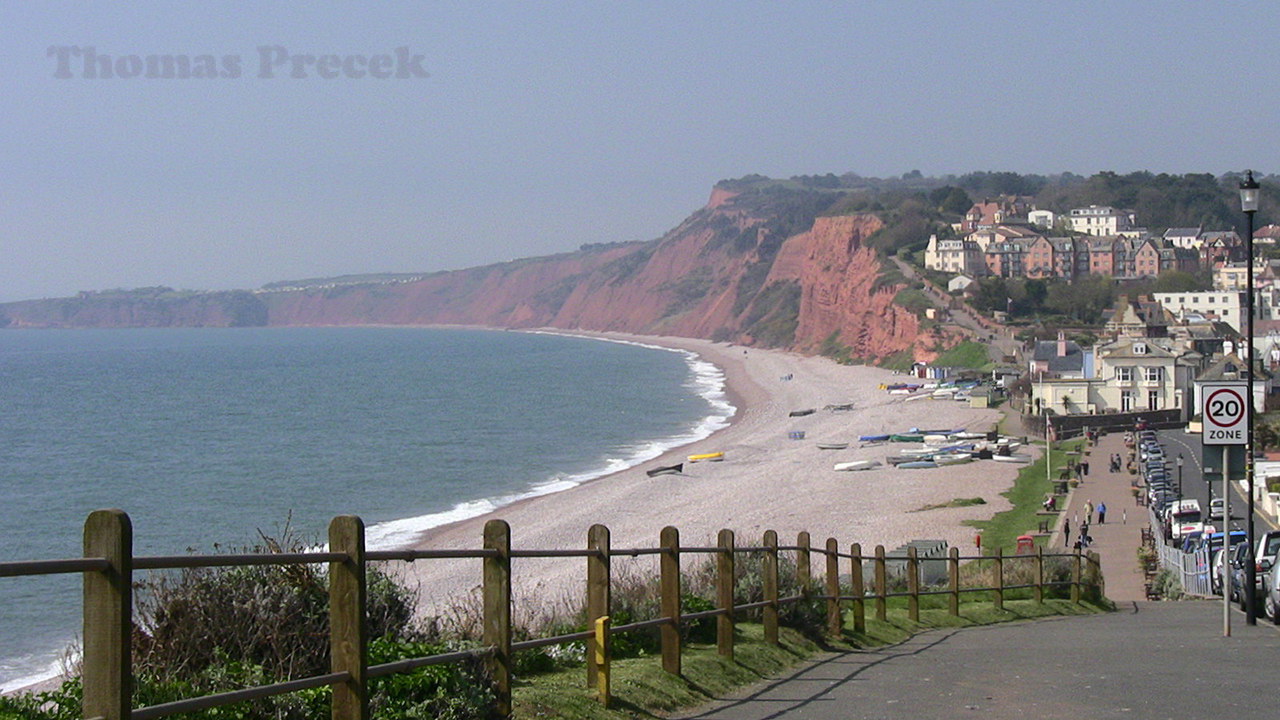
x=706, y=380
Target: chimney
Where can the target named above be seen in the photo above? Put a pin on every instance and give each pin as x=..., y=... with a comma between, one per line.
x=1062, y=344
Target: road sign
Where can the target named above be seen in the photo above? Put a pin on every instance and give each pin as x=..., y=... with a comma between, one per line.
x=1225, y=407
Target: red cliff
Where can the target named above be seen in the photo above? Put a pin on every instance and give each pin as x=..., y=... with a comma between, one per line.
x=753, y=268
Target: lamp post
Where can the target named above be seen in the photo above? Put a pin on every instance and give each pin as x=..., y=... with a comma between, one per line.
x=1179, y=481
x=1249, y=204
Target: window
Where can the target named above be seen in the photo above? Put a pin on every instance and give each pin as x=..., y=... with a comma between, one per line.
x=1153, y=399
x=1126, y=401
x=1124, y=373
x=1152, y=374
x=1139, y=348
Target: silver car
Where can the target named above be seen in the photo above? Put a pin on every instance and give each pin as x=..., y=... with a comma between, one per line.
x=1271, y=596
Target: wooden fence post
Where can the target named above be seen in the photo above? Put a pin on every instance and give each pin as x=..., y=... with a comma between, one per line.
x=913, y=584
x=1095, y=571
x=833, y=588
x=724, y=594
x=953, y=571
x=1040, y=575
x=108, y=617
x=670, y=567
x=999, y=593
x=497, y=610
x=598, y=595
x=348, y=600
x=803, y=575
x=882, y=588
x=1075, y=577
x=771, y=587
x=857, y=589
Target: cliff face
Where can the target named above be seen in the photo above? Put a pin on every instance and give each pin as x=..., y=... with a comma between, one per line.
x=750, y=268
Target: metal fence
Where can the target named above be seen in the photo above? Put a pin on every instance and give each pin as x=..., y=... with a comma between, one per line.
x=108, y=566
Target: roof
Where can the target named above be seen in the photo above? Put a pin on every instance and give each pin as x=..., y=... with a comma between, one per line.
x=1047, y=351
x=1182, y=232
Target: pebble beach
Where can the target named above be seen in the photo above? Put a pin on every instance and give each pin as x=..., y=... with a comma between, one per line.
x=767, y=480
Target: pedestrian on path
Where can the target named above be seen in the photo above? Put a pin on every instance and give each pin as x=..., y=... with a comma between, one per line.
x=1066, y=532
x=1088, y=511
x=1085, y=465
x=1102, y=513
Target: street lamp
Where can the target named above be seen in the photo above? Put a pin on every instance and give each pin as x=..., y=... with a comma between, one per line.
x=1249, y=204
x=1179, y=480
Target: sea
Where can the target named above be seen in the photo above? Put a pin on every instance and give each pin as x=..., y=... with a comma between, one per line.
x=206, y=437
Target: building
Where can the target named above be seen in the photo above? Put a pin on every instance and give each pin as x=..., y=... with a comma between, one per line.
x=990, y=213
x=1132, y=375
x=1059, y=358
x=1227, y=306
x=1219, y=248
x=1042, y=219
x=954, y=255
x=1101, y=220
x=1183, y=237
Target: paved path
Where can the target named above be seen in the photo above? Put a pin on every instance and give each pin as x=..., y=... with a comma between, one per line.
x=1117, y=540
x=1148, y=660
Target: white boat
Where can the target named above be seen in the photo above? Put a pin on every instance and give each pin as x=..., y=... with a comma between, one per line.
x=1012, y=458
x=919, y=465
x=936, y=440
x=969, y=436
x=833, y=446
x=952, y=458
x=857, y=465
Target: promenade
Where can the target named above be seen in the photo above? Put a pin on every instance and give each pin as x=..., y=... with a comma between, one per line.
x=1117, y=540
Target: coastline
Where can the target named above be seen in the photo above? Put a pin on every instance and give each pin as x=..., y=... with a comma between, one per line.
x=766, y=480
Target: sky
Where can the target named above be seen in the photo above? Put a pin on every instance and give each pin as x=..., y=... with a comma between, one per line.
x=525, y=129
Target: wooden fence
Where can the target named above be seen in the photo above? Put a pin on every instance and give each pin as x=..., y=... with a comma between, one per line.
x=108, y=566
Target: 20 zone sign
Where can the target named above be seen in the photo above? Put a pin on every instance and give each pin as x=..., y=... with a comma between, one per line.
x=1224, y=409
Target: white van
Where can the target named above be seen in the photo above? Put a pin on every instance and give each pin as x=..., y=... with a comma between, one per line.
x=1184, y=517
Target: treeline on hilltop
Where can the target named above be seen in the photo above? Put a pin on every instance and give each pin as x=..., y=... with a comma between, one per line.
x=915, y=206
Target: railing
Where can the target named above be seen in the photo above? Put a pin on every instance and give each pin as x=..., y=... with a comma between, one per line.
x=109, y=563
x=1191, y=568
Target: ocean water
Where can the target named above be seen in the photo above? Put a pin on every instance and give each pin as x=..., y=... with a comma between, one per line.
x=205, y=436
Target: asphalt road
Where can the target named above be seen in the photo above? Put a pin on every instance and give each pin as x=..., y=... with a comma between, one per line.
x=1193, y=480
x=1150, y=660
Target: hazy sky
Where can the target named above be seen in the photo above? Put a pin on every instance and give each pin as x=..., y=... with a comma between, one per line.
x=542, y=126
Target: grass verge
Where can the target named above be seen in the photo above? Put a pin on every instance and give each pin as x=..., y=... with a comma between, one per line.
x=1029, y=490
x=641, y=689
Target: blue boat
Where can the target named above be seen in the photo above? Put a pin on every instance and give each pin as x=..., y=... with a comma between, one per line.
x=873, y=438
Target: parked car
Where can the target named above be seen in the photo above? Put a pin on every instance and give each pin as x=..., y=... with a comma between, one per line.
x=1271, y=600
x=1263, y=559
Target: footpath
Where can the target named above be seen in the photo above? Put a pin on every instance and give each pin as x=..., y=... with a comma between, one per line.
x=1117, y=540
x=1147, y=660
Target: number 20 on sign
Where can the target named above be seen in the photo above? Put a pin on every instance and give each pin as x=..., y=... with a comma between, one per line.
x=1225, y=407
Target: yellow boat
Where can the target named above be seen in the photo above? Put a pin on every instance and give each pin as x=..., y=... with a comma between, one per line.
x=713, y=457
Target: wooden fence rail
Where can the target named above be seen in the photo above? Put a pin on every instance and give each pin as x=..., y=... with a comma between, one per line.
x=108, y=565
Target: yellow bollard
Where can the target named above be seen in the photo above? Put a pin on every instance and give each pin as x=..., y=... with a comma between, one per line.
x=602, y=659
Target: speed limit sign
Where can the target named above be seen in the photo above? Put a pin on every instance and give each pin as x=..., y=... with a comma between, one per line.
x=1225, y=407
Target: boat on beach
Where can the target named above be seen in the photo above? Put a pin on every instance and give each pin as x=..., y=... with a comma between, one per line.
x=856, y=465
x=873, y=438
x=709, y=457
x=954, y=458
x=833, y=446
x=919, y=465
x=666, y=470
x=1012, y=458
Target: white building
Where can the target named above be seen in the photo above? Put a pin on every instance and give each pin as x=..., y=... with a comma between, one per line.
x=1041, y=218
x=1101, y=220
x=1227, y=306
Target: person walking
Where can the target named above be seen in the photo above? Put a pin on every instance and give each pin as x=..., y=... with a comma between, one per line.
x=1088, y=511
x=1102, y=513
x=1066, y=532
